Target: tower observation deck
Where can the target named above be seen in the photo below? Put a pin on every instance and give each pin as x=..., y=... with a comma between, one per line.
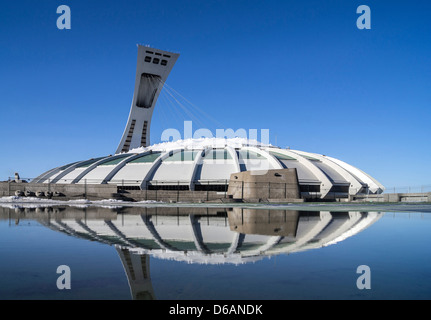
x=152, y=70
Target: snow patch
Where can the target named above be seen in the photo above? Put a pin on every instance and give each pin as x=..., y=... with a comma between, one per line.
x=201, y=143
x=13, y=202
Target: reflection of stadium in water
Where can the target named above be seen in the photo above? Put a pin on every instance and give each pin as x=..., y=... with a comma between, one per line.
x=199, y=235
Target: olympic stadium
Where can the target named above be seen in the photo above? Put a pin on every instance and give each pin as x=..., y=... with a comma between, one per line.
x=199, y=165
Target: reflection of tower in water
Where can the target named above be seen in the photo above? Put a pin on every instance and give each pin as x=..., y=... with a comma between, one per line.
x=196, y=235
x=137, y=268
x=270, y=232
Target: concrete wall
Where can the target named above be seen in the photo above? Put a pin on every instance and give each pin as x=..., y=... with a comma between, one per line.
x=173, y=195
x=105, y=191
x=246, y=187
x=65, y=191
x=268, y=185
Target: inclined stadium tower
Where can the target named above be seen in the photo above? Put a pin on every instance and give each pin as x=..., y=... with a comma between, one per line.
x=200, y=164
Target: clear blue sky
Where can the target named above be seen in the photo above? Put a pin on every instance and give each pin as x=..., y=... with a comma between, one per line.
x=301, y=69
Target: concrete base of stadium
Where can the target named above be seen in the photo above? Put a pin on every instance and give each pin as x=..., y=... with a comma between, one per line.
x=249, y=186
x=274, y=186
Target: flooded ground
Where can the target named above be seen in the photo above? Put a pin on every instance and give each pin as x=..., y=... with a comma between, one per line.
x=88, y=250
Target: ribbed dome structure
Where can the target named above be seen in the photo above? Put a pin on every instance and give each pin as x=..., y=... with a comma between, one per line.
x=207, y=163
x=202, y=164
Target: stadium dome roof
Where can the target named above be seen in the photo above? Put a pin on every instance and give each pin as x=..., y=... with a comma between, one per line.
x=195, y=163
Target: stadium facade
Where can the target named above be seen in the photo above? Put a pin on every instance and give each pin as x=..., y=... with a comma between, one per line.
x=204, y=164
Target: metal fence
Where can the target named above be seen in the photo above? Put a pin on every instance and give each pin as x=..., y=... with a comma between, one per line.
x=122, y=182
x=409, y=189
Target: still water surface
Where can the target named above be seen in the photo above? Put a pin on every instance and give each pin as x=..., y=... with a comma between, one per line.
x=169, y=253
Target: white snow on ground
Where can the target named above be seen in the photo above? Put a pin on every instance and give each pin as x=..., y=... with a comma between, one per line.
x=33, y=202
x=201, y=143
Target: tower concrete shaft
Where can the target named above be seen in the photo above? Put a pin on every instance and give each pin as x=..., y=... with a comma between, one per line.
x=152, y=70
